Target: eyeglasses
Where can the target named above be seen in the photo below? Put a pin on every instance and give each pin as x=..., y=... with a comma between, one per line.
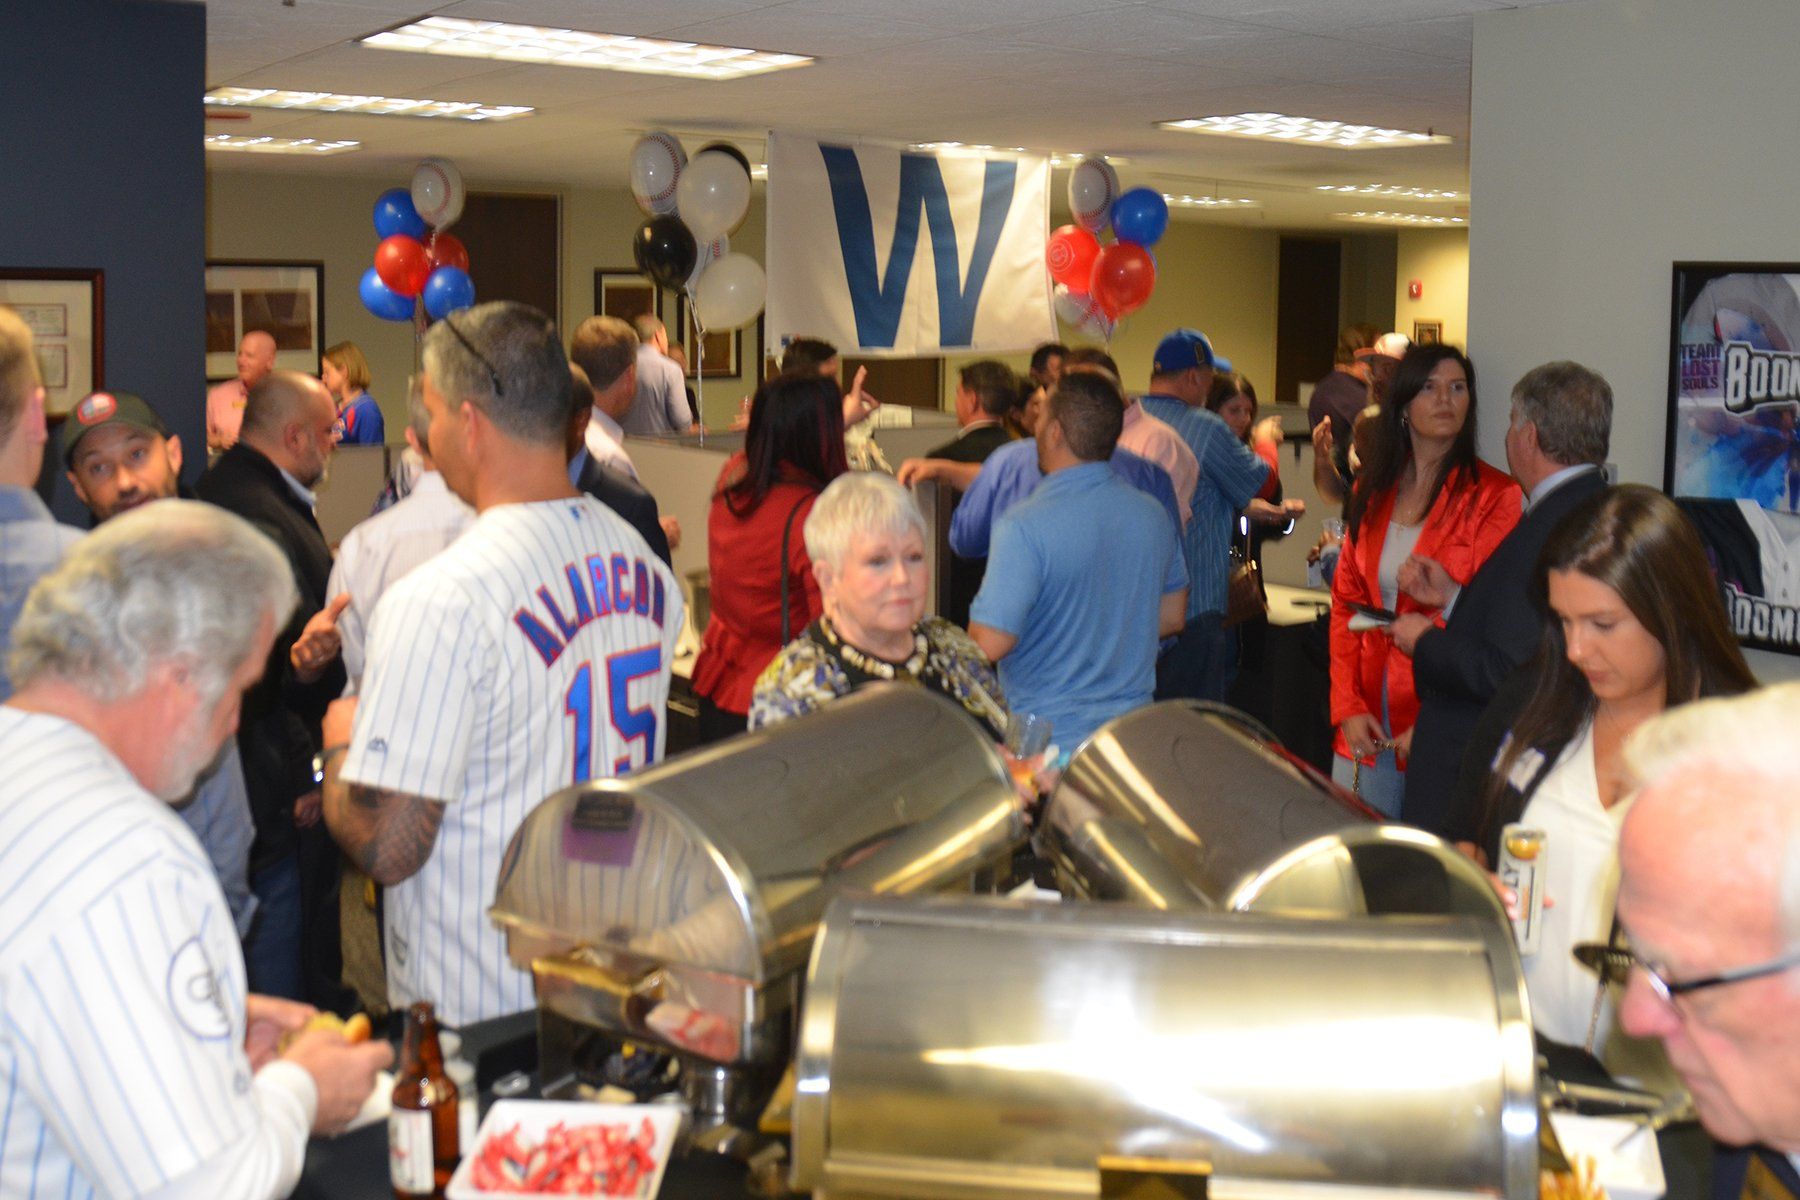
x=1614, y=963
x=493, y=375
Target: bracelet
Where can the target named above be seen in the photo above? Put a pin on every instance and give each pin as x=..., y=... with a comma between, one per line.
x=322, y=759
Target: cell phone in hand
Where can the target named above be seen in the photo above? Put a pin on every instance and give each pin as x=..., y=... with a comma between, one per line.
x=1383, y=615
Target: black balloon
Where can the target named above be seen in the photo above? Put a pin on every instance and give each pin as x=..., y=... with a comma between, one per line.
x=665, y=251
x=727, y=148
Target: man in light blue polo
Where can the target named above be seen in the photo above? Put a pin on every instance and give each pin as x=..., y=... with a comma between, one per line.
x=1204, y=659
x=1084, y=576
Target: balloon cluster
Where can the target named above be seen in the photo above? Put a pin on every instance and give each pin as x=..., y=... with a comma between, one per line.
x=1098, y=283
x=416, y=258
x=685, y=245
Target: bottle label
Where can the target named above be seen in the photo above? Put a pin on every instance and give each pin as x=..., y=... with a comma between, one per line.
x=467, y=1120
x=410, y=1164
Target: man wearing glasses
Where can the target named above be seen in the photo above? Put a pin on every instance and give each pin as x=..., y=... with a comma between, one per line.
x=1709, y=899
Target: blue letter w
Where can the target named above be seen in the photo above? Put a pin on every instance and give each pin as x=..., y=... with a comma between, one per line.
x=878, y=304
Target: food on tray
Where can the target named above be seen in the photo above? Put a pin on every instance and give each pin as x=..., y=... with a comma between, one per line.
x=603, y=1159
x=1577, y=1183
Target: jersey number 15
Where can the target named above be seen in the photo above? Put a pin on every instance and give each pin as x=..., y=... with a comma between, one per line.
x=631, y=724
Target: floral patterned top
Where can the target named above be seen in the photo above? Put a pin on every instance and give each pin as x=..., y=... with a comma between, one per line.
x=819, y=666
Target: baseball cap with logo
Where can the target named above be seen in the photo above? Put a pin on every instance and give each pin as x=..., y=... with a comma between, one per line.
x=108, y=408
x=1183, y=350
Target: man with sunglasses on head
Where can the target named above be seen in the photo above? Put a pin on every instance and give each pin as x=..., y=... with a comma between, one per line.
x=1709, y=901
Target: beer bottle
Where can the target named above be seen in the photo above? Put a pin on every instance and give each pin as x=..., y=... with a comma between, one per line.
x=422, y=1132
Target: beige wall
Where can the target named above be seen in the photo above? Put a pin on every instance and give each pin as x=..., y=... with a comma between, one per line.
x=1594, y=169
x=1439, y=260
x=315, y=217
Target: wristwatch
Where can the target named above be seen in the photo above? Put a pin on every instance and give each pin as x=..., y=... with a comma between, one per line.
x=323, y=758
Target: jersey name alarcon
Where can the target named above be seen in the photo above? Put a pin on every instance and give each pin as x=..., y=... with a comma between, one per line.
x=531, y=654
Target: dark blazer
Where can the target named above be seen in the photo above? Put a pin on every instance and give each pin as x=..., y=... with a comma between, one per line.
x=965, y=574
x=627, y=497
x=1493, y=628
x=278, y=733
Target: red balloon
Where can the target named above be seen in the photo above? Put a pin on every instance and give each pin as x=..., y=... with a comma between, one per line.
x=403, y=265
x=1071, y=253
x=447, y=250
x=1124, y=277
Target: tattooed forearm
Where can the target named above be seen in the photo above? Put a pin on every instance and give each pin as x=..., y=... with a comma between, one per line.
x=388, y=835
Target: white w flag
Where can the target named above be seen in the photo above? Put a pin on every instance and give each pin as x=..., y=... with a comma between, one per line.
x=897, y=252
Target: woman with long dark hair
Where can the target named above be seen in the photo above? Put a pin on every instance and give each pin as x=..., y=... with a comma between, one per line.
x=763, y=589
x=1423, y=490
x=1636, y=626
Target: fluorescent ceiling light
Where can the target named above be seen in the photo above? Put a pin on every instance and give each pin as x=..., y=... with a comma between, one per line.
x=275, y=145
x=382, y=106
x=1304, y=131
x=1226, y=202
x=575, y=48
x=1057, y=157
x=1400, y=218
x=1391, y=191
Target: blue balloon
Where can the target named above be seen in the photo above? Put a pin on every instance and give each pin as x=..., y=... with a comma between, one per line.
x=1140, y=215
x=448, y=289
x=394, y=213
x=382, y=300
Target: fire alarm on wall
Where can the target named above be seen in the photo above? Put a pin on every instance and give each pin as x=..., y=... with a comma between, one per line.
x=1414, y=289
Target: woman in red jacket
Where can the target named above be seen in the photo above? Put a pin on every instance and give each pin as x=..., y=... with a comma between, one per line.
x=793, y=448
x=1425, y=492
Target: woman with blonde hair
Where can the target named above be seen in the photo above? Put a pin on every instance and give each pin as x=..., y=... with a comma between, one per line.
x=345, y=373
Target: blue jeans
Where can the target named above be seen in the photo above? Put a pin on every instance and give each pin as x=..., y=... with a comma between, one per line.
x=272, y=948
x=1380, y=786
x=1201, y=663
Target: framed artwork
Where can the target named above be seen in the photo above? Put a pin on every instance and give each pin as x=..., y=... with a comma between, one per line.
x=283, y=299
x=1732, y=455
x=623, y=293
x=724, y=350
x=66, y=313
x=1428, y=333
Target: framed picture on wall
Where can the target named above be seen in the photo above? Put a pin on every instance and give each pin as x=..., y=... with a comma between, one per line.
x=65, y=311
x=283, y=299
x=623, y=293
x=1428, y=333
x=1732, y=456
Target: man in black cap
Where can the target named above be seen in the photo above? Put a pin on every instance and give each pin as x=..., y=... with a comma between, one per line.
x=119, y=455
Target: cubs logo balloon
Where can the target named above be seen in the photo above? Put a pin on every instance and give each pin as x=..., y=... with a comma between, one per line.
x=1070, y=256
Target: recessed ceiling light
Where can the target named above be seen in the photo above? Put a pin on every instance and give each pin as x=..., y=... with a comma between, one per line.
x=576, y=48
x=1237, y=202
x=1400, y=218
x=1304, y=131
x=384, y=106
x=1391, y=191
x=275, y=145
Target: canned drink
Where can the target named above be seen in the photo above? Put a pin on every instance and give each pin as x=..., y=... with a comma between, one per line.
x=1522, y=850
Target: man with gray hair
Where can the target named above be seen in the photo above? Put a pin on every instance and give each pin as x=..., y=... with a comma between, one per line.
x=531, y=654
x=1709, y=900
x=660, y=405
x=1556, y=444
x=135, y=1059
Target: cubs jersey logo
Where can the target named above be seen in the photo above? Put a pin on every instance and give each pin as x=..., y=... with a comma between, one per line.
x=96, y=408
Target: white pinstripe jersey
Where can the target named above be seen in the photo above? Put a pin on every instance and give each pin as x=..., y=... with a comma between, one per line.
x=122, y=1068
x=532, y=653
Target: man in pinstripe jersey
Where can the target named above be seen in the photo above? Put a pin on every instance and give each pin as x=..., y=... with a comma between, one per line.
x=531, y=654
x=131, y=1060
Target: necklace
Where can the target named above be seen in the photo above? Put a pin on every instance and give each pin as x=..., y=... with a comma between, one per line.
x=880, y=668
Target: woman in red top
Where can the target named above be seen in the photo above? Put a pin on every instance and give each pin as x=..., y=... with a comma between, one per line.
x=793, y=448
x=1423, y=492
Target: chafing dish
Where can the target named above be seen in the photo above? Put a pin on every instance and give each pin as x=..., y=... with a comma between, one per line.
x=968, y=1049
x=1185, y=805
x=674, y=909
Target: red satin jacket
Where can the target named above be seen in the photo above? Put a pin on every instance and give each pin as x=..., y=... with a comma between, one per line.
x=1463, y=527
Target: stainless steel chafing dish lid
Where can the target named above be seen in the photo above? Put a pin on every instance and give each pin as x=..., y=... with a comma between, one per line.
x=1188, y=805
x=722, y=860
x=966, y=1048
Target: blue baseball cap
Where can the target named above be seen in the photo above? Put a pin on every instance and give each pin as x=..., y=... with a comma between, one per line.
x=1183, y=350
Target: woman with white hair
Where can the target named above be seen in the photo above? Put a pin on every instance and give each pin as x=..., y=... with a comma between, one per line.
x=866, y=539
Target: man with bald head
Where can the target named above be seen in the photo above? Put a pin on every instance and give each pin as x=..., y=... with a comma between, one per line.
x=225, y=402
x=267, y=478
x=1709, y=899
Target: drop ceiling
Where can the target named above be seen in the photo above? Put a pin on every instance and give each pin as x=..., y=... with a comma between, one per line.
x=1070, y=76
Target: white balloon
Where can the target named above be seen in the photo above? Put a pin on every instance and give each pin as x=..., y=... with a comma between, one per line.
x=707, y=254
x=714, y=194
x=730, y=293
x=1093, y=186
x=438, y=192
x=1081, y=312
x=657, y=161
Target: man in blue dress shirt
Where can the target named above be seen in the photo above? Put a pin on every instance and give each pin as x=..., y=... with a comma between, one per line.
x=1084, y=575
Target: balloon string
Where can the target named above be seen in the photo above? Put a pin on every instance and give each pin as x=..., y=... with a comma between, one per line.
x=699, y=364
